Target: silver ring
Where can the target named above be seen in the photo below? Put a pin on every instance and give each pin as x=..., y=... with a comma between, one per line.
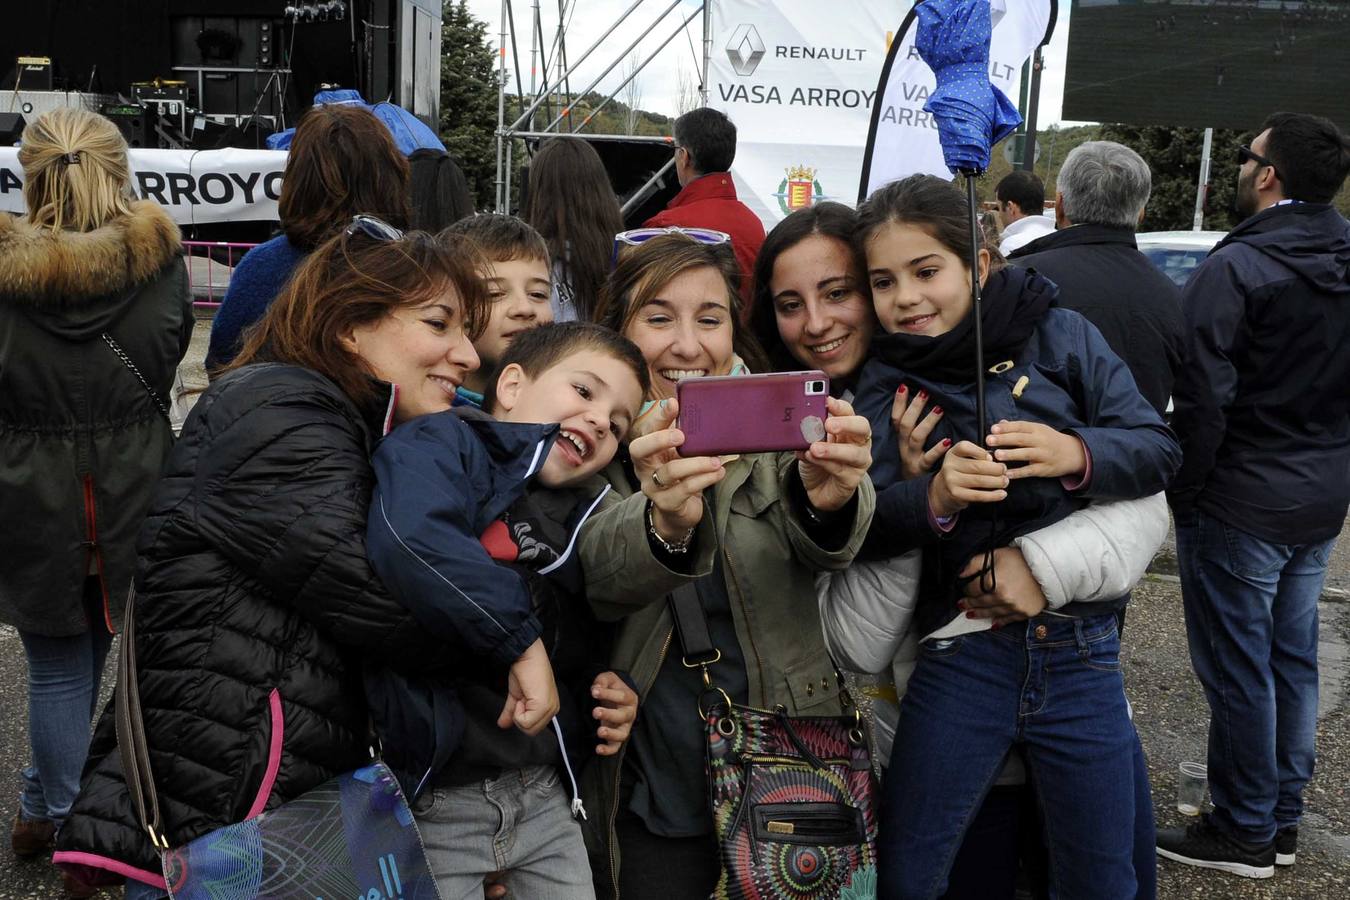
x=656, y=477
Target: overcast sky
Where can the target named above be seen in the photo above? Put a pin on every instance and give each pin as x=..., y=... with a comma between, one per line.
x=659, y=80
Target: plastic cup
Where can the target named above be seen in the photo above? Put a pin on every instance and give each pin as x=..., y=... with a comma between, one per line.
x=1191, y=788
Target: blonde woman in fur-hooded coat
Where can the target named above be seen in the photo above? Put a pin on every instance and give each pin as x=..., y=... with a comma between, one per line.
x=95, y=315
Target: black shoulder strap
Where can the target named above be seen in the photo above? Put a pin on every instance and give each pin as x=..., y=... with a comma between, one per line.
x=131, y=733
x=691, y=624
x=155, y=399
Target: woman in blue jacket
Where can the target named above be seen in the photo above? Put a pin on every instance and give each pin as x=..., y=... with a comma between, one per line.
x=1070, y=427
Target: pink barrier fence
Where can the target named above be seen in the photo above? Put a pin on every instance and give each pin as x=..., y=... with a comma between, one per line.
x=210, y=265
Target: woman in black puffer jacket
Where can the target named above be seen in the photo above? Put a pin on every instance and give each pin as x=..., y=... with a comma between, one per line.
x=256, y=607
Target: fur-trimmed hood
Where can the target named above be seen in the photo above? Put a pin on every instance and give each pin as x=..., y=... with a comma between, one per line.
x=43, y=270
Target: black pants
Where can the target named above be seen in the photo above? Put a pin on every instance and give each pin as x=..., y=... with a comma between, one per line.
x=1002, y=851
x=652, y=867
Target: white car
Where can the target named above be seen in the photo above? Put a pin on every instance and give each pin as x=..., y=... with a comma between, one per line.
x=1178, y=253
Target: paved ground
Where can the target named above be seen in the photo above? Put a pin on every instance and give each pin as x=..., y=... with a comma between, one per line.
x=1169, y=709
x=1172, y=718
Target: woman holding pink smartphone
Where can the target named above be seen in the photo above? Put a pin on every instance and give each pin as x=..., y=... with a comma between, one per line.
x=780, y=517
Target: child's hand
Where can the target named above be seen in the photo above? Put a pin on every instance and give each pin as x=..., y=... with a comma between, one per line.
x=493, y=886
x=673, y=483
x=531, y=695
x=968, y=475
x=1048, y=453
x=831, y=469
x=617, y=711
x=1017, y=594
x=912, y=433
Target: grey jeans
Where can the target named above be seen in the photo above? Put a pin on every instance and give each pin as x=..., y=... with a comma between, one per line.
x=519, y=823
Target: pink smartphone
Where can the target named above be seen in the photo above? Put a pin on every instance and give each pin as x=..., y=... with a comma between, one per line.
x=724, y=415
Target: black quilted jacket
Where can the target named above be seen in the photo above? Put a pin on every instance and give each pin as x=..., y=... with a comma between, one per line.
x=254, y=612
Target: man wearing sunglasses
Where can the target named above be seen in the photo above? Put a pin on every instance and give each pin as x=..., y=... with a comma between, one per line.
x=1263, y=415
x=705, y=146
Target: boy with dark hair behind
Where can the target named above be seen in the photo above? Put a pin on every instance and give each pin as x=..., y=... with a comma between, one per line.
x=474, y=522
x=519, y=283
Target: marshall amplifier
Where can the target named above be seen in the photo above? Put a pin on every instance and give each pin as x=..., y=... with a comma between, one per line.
x=34, y=73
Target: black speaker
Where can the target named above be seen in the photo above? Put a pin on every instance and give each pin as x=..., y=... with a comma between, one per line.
x=11, y=128
x=134, y=123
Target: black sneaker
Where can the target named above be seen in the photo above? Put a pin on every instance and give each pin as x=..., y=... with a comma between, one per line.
x=1202, y=844
x=1286, y=845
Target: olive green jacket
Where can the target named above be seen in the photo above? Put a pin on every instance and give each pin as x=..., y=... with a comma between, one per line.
x=770, y=564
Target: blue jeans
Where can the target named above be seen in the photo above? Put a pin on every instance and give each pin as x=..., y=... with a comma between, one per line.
x=519, y=823
x=1053, y=686
x=1251, y=622
x=63, y=679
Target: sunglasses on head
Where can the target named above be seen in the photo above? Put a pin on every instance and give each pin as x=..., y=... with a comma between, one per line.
x=1246, y=153
x=371, y=227
x=637, y=236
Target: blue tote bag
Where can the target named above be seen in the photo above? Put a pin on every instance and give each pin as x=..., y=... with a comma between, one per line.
x=351, y=838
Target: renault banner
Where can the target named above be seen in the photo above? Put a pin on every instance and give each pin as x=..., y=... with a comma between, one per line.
x=902, y=139
x=195, y=186
x=798, y=77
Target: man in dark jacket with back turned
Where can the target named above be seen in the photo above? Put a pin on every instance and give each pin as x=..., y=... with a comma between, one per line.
x=1263, y=414
x=1101, y=191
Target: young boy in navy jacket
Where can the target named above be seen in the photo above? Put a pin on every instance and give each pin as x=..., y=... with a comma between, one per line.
x=473, y=526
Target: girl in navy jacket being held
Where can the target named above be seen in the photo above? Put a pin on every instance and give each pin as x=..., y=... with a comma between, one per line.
x=996, y=668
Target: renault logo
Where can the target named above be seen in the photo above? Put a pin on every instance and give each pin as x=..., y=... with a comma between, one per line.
x=745, y=49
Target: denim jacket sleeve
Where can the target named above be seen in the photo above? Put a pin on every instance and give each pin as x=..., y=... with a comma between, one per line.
x=1133, y=453
x=423, y=543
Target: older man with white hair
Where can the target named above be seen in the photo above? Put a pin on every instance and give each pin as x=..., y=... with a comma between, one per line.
x=1100, y=195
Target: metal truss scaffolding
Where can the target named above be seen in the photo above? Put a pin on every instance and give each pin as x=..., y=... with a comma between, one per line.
x=550, y=97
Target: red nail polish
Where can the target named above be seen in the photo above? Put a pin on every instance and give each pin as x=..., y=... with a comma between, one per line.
x=970, y=615
x=901, y=389
x=946, y=442
x=937, y=410
x=923, y=395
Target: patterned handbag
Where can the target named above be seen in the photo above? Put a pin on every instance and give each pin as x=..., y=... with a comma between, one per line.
x=793, y=797
x=352, y=836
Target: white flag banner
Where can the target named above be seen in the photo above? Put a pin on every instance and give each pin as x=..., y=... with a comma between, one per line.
x=798, y=77
x=904, y=139
x=195, y=186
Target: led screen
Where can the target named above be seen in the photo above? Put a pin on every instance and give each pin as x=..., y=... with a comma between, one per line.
x=1198, y=63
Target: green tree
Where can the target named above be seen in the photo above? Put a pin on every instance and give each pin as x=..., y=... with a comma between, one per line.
x=469, y=87
x=1055, y=144
x=1173, y=155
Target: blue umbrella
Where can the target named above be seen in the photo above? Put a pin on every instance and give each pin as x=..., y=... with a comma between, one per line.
x=409, y=132
x=971, y=114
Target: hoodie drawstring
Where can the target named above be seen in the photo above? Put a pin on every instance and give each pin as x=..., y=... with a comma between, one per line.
x=578, y=810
